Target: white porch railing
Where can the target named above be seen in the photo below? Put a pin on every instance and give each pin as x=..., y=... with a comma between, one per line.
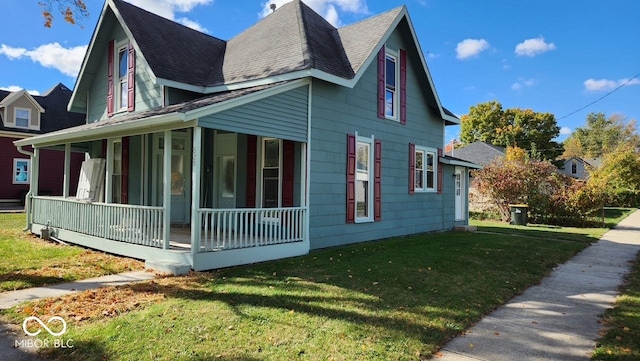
x=223, y=229
x=133, y=224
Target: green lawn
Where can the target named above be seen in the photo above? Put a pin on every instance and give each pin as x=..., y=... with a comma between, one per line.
x=26, y=261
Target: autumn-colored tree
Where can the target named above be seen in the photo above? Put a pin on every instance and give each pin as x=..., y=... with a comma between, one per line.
x=71, y=10
x=601, y=135
x=619, y=176
x=524, y=128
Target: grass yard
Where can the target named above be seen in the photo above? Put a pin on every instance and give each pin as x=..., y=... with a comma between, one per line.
x=621, y=342
x=27, y=261
x=397, y=299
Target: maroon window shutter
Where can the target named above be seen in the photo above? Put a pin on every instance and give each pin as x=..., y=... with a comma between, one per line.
x=252, y=154
x=403, y=86
x=412, y=168
x=131, y=78
x=381, y=82
x=288, y=165
x=110, y=84
x=124, y=186
x=439, y=171
x=351, y=178
x=104, y=149
x=377, y=181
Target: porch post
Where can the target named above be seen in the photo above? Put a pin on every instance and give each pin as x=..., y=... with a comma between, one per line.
x=35, y=171
x=67, y=170
x=166, y=189
x=195, y=189
x=108, y=179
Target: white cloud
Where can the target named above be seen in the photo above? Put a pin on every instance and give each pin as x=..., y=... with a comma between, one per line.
x=521, y=83
x=608, y=85
x=533, y=47
x=468, y=48
x=15, y=88
x=53, y=55
x=328, y=9
x=169, y=8
x=565, y=131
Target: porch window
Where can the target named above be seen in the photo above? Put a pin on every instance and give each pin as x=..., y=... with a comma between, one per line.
x=22, y=117
x=271, y=149
x=116, y=177
x=21, y=171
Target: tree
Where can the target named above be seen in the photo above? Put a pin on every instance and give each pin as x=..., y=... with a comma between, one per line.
x=619, y=176
x=601, y=135
x=524, y=128
x=71, y=10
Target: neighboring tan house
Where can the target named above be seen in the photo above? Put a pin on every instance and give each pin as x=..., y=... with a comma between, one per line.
x=292, y=136
x=480, y=153
x=23, y=116
x=579, y=167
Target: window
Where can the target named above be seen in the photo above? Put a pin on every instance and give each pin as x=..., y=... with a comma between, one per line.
x=21, y=171
x=390, y=80
x=392, y=85
x=423, y=169
x=364, y=179
x=271, y=173
x=22, y=117
x=574, y=166
x=122, y=71
x=116, y=176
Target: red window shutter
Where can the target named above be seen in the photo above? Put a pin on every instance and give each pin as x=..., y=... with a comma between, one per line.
x=252, y=153
x=412, y=168
x=131, y=78
x=403, y=86
x=288, y=165
x=104, y=149
x=439, y=171
x=110, y=84
x=381, y=82
x=124, y=186
x=377, y=181
x=351, y=178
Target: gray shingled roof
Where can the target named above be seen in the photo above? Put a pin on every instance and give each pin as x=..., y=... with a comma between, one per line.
x=292, y=38
x=479, y=153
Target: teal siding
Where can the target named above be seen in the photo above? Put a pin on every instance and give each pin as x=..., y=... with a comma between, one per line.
x=338, y=111
x=281, y=116
x=148, y=94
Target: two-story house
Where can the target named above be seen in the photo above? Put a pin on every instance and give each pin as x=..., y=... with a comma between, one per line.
x=294, y=135
x=23, y=116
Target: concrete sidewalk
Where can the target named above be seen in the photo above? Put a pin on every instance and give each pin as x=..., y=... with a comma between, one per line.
x=558, y=319
x=12, y=298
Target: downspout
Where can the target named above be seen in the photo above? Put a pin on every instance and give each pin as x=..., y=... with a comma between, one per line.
x=27, y=203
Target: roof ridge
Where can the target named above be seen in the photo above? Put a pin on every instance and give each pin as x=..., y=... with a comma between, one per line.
x=396, y=9
x=303, y=30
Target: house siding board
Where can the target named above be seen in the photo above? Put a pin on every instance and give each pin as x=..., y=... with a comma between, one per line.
x=282, y=116
x=147, y=94
x=337, y=111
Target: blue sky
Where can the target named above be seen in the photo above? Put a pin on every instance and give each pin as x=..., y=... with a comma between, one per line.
x=547, y=55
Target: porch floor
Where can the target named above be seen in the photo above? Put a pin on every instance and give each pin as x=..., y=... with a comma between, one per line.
x=180, y=238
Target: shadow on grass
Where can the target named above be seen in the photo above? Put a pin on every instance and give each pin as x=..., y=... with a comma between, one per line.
x=15, y=281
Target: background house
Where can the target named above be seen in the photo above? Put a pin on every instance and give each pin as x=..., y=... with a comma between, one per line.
x=480, y=153
x=579, y=168
x=294, y=135
x=23, y=116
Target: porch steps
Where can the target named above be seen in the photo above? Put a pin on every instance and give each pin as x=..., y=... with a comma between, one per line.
x=167, y=267
x=465, y=228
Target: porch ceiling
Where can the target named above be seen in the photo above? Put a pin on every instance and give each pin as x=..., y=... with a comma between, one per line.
x=153, y=120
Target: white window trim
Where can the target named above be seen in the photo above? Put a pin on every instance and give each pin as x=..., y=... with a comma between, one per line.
x=396, y=92
x=15, y=118
x=370, y=170
x=116, y=72
x=434, y=153
x=13, y=170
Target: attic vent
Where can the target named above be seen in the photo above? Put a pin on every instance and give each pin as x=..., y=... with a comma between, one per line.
x=272, y=7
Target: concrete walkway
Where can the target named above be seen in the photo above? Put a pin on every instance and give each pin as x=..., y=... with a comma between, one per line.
x=558, y=319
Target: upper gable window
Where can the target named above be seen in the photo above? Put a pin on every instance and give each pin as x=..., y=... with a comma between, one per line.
x=392, y=75
x=22, y=116
x=122, y=71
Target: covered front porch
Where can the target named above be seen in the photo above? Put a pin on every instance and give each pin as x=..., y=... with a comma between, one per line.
x=209, y=183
